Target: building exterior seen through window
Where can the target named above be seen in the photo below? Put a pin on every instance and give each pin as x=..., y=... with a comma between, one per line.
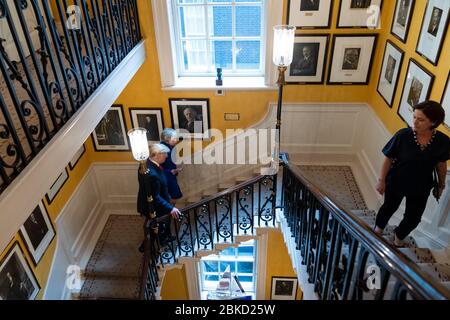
x=242, y=263
x=227, y=34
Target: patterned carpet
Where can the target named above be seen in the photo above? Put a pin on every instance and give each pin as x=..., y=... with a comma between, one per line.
x=115, y=267
x=338, y=182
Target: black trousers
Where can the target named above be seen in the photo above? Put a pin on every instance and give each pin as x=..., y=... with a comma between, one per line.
x=415, y=206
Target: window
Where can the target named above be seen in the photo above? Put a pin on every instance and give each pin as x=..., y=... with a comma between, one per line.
x=241, y=261
x=229, y=34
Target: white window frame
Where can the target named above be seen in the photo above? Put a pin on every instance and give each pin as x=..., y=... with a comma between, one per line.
x=233, y=38
x=170, y=78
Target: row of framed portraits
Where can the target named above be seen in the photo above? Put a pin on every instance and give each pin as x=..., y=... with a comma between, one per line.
x=416, y=88
x=350, y=62
x=17, y=280
x=191, y=116
x=311, y=14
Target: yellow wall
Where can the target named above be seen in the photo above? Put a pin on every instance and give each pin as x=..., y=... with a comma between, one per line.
x=144, y=90
x=174, y=285
x=42, y=270
x=278, y=263
x=388, y=116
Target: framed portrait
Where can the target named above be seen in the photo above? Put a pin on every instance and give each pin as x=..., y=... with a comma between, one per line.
x=445, y=102
x=402, y=19
x=111, y=133
x=56, y=186
x=150, y=119
x=359, y=14
x=190, y=117
x=433, y=30
x=351, y=59
x=284, y=288
x=390, y=70
x=17, y=281
x=308, y=14
x=416, y=89
x=308, y=62
x=37, y=232
x=77, y=156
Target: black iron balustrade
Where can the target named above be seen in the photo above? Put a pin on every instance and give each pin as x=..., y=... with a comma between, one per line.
x=51, y=60
x=216, y=219
x=344, y=259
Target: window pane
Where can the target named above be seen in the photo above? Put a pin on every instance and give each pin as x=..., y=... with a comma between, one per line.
x=245, y=278
x=228, y=251
x=220, y=21
x=190, y=1
x=248, y=54
x=245, y=267
x=211, y=266
x=193, y=21
x=195, y=55
x=211, y=277
x=248, y=21
x=259, y=1
x=218, y=1
x=224, y=265
x=245, y=251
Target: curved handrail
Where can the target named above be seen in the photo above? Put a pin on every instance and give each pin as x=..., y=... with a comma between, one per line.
x=405, y=270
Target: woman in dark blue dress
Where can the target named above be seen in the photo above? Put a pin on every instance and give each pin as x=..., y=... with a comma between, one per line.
x=412, y=155
x=171, y=170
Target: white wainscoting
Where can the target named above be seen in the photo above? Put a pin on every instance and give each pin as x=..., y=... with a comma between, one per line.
x=21, y=197
x=352, y=134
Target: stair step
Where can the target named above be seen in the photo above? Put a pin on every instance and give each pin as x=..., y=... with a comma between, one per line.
x=419, y=255
x=439, y=271
x=110, y=288
x=193, y=200
x=224, y=186
x=210, y=192
x=242, y=179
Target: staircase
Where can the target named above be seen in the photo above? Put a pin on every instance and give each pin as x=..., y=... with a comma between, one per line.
x=220, y=217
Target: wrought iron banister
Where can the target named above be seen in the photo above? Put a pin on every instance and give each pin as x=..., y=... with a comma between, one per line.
x=51, y=61
x=322, y=229
x=215, y=219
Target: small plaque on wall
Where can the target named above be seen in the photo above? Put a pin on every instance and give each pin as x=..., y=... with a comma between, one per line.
x=232, y=116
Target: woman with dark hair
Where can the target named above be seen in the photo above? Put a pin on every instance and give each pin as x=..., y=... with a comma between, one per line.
x=412, y=155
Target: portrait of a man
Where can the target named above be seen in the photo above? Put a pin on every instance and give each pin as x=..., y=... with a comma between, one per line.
x=284, y=287
x=14, y=281
x=359, y=4
x=414, y=92
x=435, y=20
x=189, y=117
x=351, y=58
x=390, y=67
x=36, y=227
x=309, y=5
x=109, y=130
x=403, y=12
x=149, y=122
x=304, y=62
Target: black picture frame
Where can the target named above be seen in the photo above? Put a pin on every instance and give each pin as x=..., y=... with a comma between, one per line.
x=426, y=39
x=77, y=156
x=37, y=232
x=351, y=41
x=407, y=15
x=302, y=16
x=349, y=17
x=284, y=288
x=57, y=186
x=383, y=88
x=304, y=72
x=200, y=108
x=445, y=102
x=156, y=117
x=17, y=280
x=112, y=129
x=406, y=102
